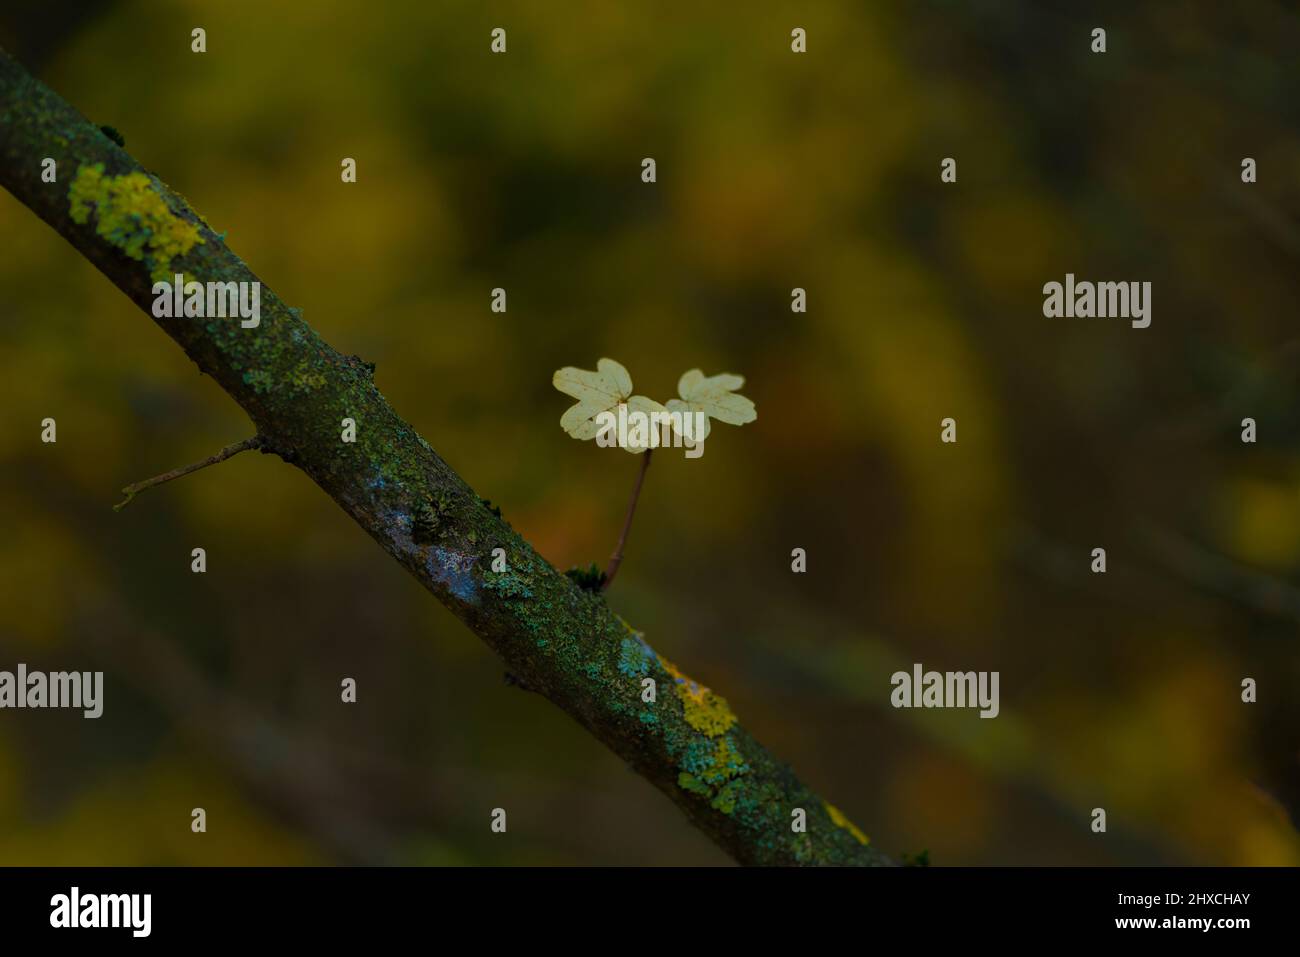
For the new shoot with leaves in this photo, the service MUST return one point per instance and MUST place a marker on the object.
(608, 412)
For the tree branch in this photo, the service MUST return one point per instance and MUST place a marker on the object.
(559, 640)
(131, 491)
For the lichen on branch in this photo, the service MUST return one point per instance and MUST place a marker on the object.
(130, 215)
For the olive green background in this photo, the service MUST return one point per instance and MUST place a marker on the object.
(775, 170)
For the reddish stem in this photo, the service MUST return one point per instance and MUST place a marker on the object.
(616, 559)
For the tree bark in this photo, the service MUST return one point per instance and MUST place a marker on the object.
(560, 640)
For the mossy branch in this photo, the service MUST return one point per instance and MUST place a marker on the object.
(557, 639)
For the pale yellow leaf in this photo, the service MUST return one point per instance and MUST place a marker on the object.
(715, 397)
(598, 393)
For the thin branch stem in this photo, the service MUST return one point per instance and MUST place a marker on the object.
(131, 491)
(616, 559)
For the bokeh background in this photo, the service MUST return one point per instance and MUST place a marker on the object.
(821, 171)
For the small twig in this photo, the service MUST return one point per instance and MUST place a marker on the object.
(616, 559)
(131, 491)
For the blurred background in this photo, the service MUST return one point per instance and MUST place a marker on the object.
(775, 170)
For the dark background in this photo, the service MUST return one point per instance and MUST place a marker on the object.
(775, 170)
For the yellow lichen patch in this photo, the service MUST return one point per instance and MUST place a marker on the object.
(839, 820)
(705, 711)
(130, 214)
